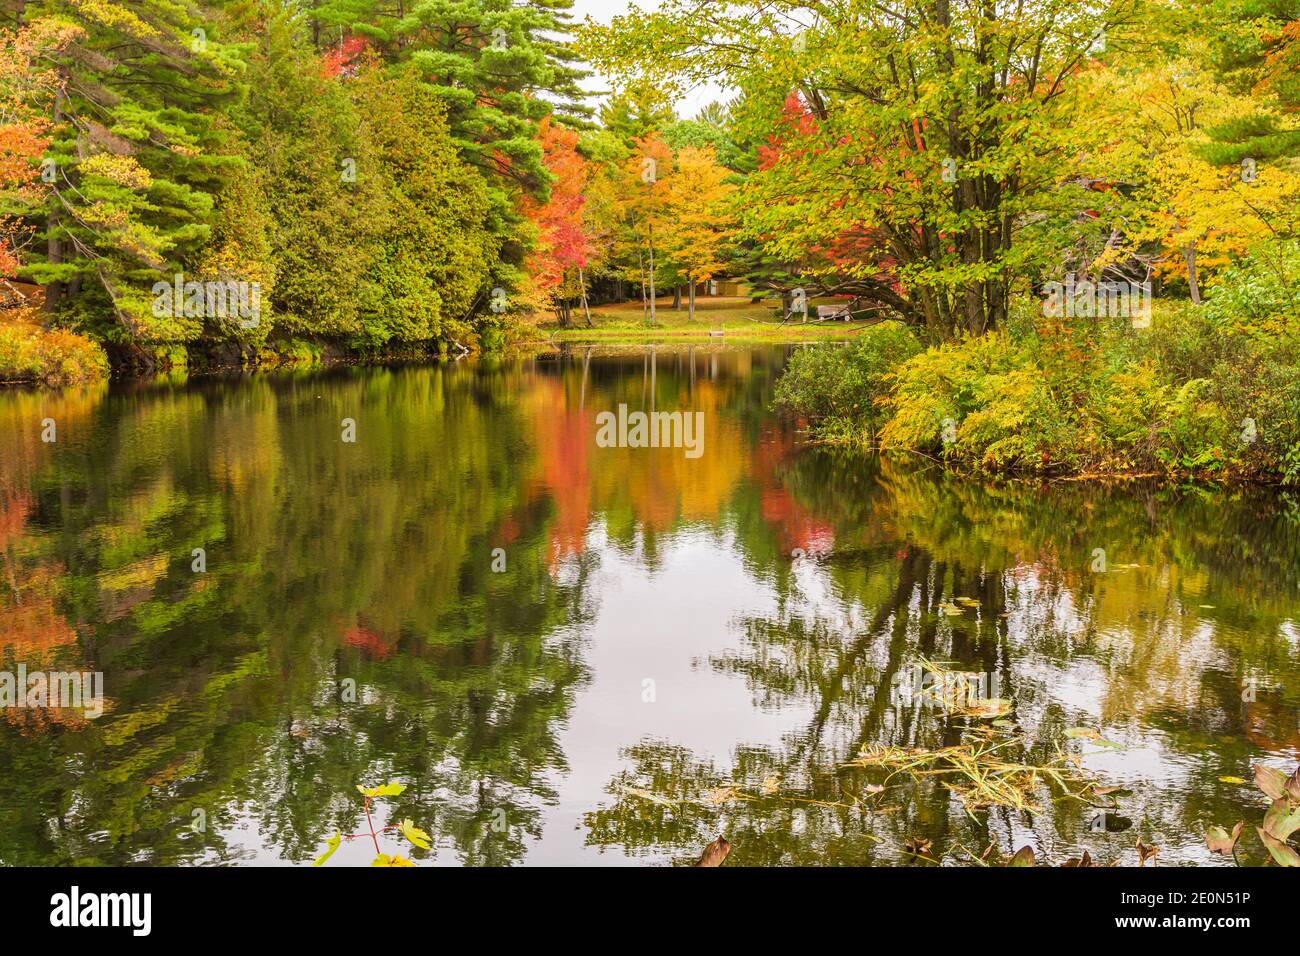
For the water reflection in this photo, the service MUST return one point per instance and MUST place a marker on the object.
(668, 638)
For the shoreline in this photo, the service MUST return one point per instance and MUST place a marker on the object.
(953, 469)
(327, 355)
(282, 362)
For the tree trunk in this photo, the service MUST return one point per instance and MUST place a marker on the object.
(640, 264)
(586, 364)
(677, 297)
(54, 245)
(1193, 284)
(651, 236)
(582, 284)
(690, 295)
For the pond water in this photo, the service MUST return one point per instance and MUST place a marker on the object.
(574, 653)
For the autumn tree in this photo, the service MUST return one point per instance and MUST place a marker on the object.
(557, 263)
(1191, 173)
(695, 224)
(937, 123)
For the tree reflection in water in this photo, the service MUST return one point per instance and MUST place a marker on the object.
(349, 627)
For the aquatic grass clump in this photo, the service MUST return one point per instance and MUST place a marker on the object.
(979, 772)
(957, 692)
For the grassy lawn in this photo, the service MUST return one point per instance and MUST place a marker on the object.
(735, 317)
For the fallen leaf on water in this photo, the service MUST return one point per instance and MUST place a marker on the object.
(771, 784)
(920, 846)
(648, 795)
(1146, 853)
(1024, 857)
(714, 853)
(720, 796)
(1086, 733)
(989, 707)
(1272, 782)
(1237, 780)
(1220, 840)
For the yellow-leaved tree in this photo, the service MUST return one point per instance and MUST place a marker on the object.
(697, 225)
(1153, 130)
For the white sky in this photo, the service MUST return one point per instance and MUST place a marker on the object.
(603, 11)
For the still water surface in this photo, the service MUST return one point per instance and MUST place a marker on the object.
(676, 647)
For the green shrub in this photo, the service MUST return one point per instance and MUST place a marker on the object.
(840, 387)
(991, 394)
(1194, 393)
(1260, 292)
(1128, 406)
(1195, 434)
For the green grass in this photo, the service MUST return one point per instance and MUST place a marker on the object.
(736, 317)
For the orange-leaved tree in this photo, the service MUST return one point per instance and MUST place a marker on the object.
(557, 264)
